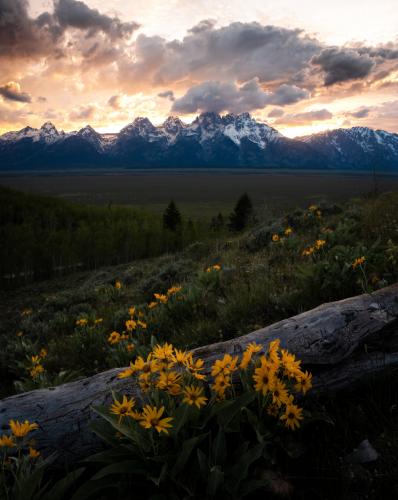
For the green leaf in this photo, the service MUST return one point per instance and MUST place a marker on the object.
(94, 488)
(129, 467)
(238, 472)
(219, 447)
(61, 487)
(215, 480)
(186, 450)
(229, 411)
(203, 463)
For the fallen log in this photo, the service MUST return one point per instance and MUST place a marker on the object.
(342, 342)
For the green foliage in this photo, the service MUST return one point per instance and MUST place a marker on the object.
(45, 237)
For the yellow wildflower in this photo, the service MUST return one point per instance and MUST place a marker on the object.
(276, 238)
(288, 231)
(151, 419)
(26, 312)
(308, 251)
(193, 395)
(147, 366)
(21, 429)
(292, 416)
(123, 408)
(161, 298)
(290, 364)
(114, 338)
(180, 358)
(81, 322)
(194, 367)
(152, 305)
(33, 453)
(163, 352)
(304, 382)
(264, 378)
(279, 393)
(224, 366)
(173, 290)
(358, 262)
(98, 321)
(319, 244)
(35, 359)
(130, 347)
(131, 325)
(248, 353)
(128, 372)
(36, 370)
(142, 324)
(221, 384)
(169, 382)
(131, 311)
(145, 382)
(6, 441)
(118, 285)
(43, 353)
(312, 208)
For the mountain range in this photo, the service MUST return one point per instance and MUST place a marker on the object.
(211, 140)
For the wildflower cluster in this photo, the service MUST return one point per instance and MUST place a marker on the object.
(84, 322)
(216, 268)
(314, 211)
(35, 367)
(168, 375)
(163, 298)
(318, 245)
(277, 238)
(169, 378)
(17, 442)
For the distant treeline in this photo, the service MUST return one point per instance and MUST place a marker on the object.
(42, 237)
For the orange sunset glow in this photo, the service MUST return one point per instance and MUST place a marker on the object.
(317, 67)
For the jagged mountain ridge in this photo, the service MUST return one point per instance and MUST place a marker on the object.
(210, 140)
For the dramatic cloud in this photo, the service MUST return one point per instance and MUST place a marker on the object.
(341, 65)
(167, 94)
(237, 52)
(114, 102)
(12, 92)
(218, 96)
(76, 14)
(305, 118)
(23, 36)
(360, 113)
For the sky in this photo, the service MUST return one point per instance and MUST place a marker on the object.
(300, 66)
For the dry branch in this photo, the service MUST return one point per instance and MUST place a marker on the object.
(343, 343)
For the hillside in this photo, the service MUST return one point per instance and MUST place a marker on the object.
(229, 287)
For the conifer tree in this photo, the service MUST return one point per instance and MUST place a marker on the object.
(242, 214)
(172, 217)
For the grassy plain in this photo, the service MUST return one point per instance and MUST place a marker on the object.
(201, 193)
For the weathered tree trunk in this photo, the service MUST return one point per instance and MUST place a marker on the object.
(342, 342)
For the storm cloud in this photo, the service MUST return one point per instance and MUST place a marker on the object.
(342, 65)
(11, 91)
(225, 96)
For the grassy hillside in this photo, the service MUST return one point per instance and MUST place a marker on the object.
(229, 286)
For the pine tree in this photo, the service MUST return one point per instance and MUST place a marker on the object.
(242, 214)
(172, 217)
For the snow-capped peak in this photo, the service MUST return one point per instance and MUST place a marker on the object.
(244, 126)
